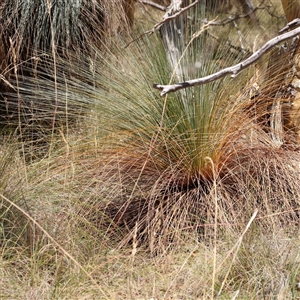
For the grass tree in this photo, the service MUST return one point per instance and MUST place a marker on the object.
(31, 28)
(33, 31)
(199, 139)
(34, 36)
(161, 165)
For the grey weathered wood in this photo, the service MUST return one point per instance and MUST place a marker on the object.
(233, 70)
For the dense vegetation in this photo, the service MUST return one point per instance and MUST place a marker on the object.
(110, 191)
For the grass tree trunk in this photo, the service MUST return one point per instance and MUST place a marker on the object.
(292, 11)
(278, 77)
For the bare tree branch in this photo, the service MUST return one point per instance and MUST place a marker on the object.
(233, 70)
(170, 16)
(151, 3)
(232, 18)
(173, 8)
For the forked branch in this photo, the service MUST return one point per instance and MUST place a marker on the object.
(233, 70)
(173, 11)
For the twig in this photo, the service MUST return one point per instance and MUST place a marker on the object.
(232, 18)
(151, 3)
(229, 44)
(290, 25)
(241, 37)
(167, 17)
(233, 70)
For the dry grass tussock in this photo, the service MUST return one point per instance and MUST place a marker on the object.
(155, 209)
(199, 242)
